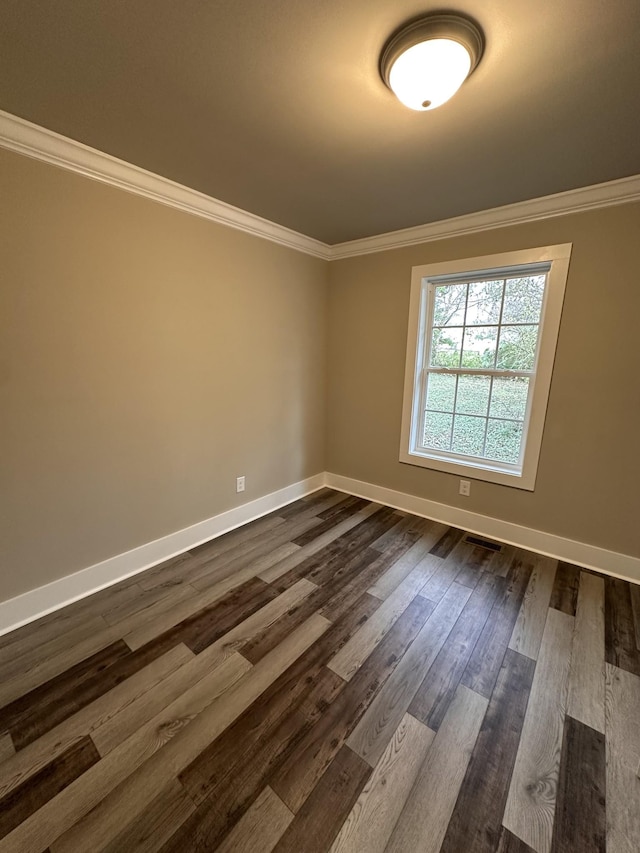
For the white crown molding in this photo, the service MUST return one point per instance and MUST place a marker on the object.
(31, 140)
(621, 191)
(46, 599)
(24, 137)
(580, 553)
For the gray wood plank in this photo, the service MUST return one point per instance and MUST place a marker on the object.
(370, 737)
(371, 820)
(586, 676)
(527, 632)
(530, 807)
(260, 828)
(440, 777)
(623, 758)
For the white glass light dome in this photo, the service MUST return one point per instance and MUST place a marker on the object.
(429, 73)
(426, 62)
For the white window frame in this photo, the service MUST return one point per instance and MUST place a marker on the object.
(523, 475)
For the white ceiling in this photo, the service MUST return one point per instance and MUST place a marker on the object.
(277, 107)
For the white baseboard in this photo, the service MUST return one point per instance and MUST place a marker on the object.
(45, 599)
(589, 556)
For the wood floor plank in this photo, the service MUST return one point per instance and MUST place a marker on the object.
(375, 813)
(351, 656)
(89, 814)
(585, 701)
(227, 792)
(7, 749)
(376, 727)
(298, 775)
(476, 822)
(50, 745)
(319, 820)
(192, 688)
(620, 634)
(330, 518)
(239, 737)
(20, 664)
(322, 566)
(485, 662)
(447, 542)
(437, 689)
(527, 632)
(250, 554)
(155, 825)
(440, 777)
(35, 711)
(580, 820)
(418, 553)
(191, 604)
(264, 641)
(280, 569)
(408, 527)
(623, 759)
(510, 843)
(344, 598)
(260, 829)
(45, 670)
(530, 806)
(27, 798)
(634, 590)
(565, 588)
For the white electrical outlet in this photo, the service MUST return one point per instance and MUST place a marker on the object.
(465, 487)
(240, 484)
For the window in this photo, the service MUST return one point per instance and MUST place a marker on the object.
(482, 339)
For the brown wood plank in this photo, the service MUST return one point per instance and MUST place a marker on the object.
(472, 561)
(620, 633)
(634, 591)
(299, 773)
(322, 565)
(447, 542)
(375, 729)
(224, 791)
(476, 822)
(42, 708)
(510, 843)
(204, 628)
(263, 642)
(27, 798)
(580, 820)
(260, 828)
(433, 697)
(155, 825)
(295, 688)
(484, 665)
(319, 820)
(86, 814)
(564, 595)
(326, 687)
(340, 602)
(7, 749)
(331, 518)
(347, 506)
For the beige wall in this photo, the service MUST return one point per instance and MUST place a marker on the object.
(589, 468)
(147, 358)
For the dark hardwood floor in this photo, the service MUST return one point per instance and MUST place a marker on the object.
(338, 676)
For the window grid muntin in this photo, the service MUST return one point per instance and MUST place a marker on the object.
(466, 281)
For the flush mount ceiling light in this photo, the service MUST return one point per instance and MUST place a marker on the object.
(427, 61)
